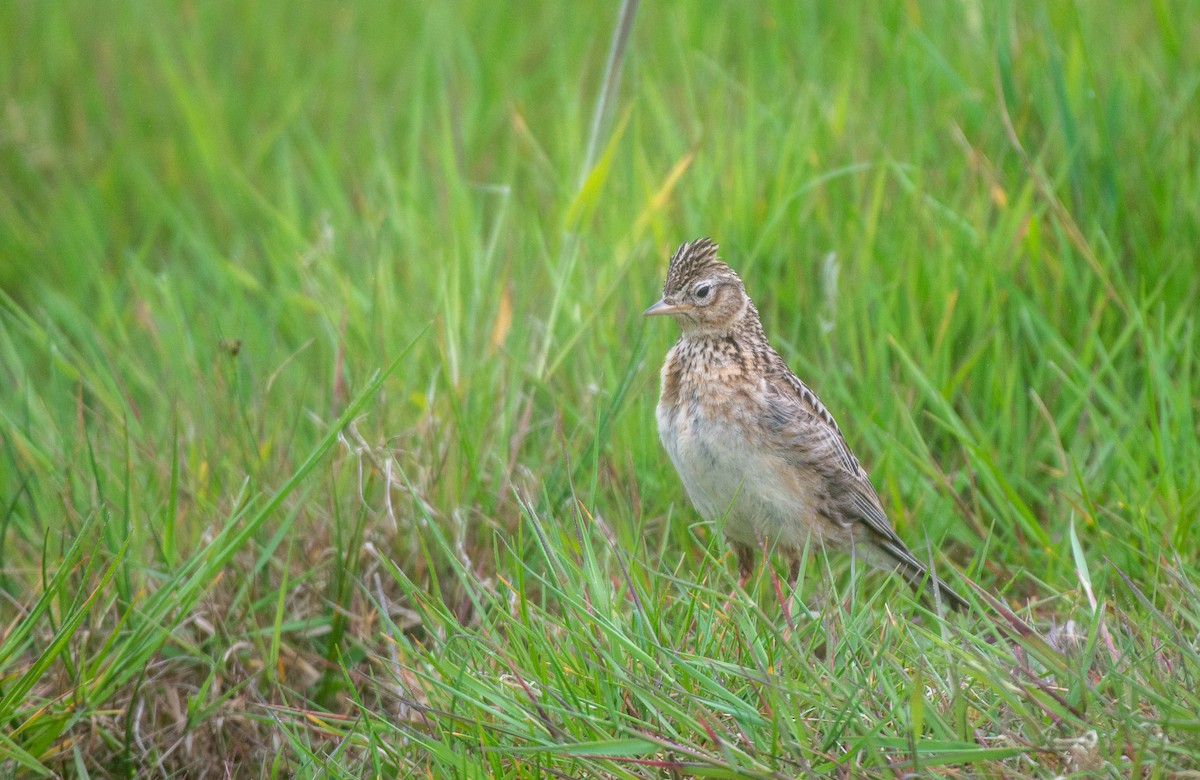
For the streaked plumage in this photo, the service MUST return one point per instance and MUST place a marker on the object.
(752, 444)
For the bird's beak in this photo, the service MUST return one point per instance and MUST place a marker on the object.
(662, 307)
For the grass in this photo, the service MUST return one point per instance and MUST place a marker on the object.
(326, 410)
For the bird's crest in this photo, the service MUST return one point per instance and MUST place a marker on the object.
(693, 260)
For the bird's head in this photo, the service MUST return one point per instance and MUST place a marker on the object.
(702, 294)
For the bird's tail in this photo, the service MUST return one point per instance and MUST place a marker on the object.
(933, 589)
(892, 555)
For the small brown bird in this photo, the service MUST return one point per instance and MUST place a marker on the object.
(752, 444)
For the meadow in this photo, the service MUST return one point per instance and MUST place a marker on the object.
(327, 440)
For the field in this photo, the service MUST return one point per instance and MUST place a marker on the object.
(327, 440)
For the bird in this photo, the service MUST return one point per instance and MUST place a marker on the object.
(753, 444)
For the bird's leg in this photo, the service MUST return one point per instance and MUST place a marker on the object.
(745, 559)
(794, 586)
(793, 572)
(785, 602)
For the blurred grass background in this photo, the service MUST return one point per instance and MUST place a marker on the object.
(232, 542)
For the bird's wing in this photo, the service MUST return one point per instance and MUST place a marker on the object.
(804, 434)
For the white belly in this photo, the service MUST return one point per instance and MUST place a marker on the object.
(757, 496)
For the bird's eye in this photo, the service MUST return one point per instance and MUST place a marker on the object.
(702, 291)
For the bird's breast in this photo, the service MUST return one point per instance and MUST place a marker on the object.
(711, 423)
